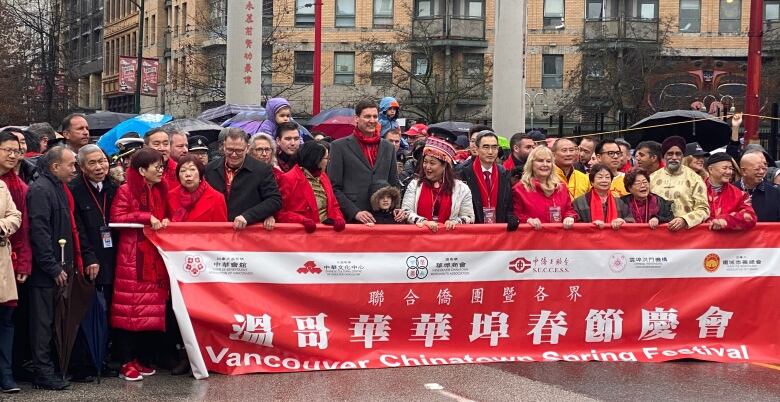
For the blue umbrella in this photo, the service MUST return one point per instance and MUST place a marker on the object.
(94, 327)
(139, 124)
(326, 115)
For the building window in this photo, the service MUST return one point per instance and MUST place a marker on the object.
(96, 41)
(594, 10)
(153, 36)
(419, 64)
(266, 69)
(176, 21)
(771, 10)
(304, 68)
(730, 14)
(434, 8)
(648, 9)
(690, 15)
(345, 68)
(553, 14)
(382, 69)
(552, 71)
(469, 8)
(146, 32)
(304, 13)
(473, 65)
(345, 13)
(383, 13)
(184, 18)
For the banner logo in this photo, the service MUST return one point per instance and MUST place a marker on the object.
(194, 265)
(310, 267)
(617, 263)
(711, 262)
(416, 267)
(519, 265)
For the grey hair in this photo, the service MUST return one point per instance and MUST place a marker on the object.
(173, 132)
(268, 138)
(86, 150)
(232, 132)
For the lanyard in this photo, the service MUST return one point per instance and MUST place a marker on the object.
(100, 208)
(647, 208)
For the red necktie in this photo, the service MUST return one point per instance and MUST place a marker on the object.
(488, 184)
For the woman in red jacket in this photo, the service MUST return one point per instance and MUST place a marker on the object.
(195, 200)
(307, 195)
(141, 287)
(540, 197)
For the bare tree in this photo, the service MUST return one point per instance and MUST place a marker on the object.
(422, 76)
(612, 74)
(43, 20)
(203, 77)
(15, 71)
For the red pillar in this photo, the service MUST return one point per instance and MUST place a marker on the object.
(317, 56)
(752, 105)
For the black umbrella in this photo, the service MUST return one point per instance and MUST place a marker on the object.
(101, 122)
(201, 127)
(94, 327)
(709, 131)
(73, 299)
(457, 127)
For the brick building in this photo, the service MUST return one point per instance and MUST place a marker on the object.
(702, 44)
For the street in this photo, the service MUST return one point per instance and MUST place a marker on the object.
(685, 380)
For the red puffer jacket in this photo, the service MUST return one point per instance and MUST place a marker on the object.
(141, 285)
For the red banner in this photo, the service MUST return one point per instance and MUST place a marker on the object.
(127, 75)
(396, 296)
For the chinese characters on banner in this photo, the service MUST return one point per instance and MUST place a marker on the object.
(244, 51)
(254, 309)
(127, 75)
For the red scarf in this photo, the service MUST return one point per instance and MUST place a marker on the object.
(643, 211)
(369, 145)
(77, 262)
(597, 210)
(187, 200)
(489, 195)
(429, 198)
(17, 188)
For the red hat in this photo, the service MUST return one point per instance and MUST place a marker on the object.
(440, 150)
(417, 130)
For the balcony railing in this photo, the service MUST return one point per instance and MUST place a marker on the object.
(621, 29)
(448, 27)
(771, 36)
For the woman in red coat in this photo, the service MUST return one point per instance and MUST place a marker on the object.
(194, 200)
(540, 197)
(307, 195)
(141, 287)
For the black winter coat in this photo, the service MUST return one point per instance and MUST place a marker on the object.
(504, 209)
(765, 199)
(254, 193)
(49, 212)
(90, 219)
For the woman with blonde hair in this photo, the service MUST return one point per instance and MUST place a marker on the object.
(540, 197)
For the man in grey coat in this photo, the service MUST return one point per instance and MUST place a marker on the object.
(361, 163)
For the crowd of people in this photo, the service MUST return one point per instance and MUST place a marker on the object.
(58, 201)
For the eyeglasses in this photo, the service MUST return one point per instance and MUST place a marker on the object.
(235, 151)
(489, 147)
(263, 150)
(158, 168)
(613, 154)
(12, 151)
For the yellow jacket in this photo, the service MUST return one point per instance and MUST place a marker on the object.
(618, 188)
(578, 183)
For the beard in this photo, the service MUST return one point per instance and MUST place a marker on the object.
(673, 166)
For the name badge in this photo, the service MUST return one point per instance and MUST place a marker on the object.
(555, 214)
(105, 235)
(489, 214)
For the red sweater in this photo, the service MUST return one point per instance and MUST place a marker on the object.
(732, 205)
(535, 204)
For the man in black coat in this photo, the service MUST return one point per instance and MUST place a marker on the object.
(764, 196)
(360, 164)
(250, 190)
(50, 221)
(492, 184)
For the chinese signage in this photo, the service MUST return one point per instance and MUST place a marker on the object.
(127, 75)
(474, 295)
(244, 51)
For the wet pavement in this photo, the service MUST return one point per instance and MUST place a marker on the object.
(694, 381)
